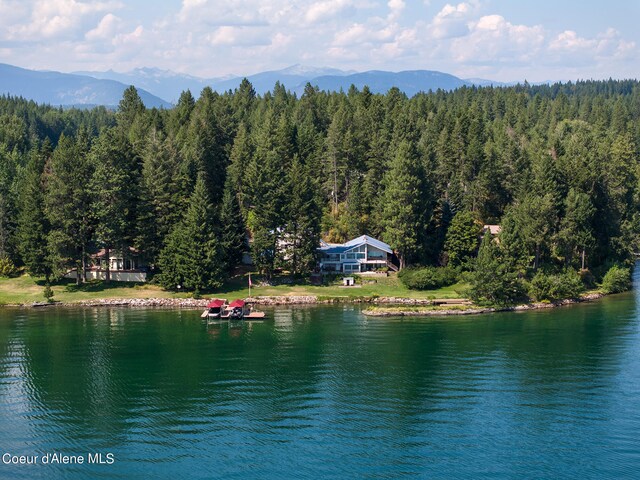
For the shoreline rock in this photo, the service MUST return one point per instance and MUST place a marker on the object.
(480, 310)
(314, 300)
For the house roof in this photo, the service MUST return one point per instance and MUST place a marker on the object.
(493, 229)
(366, 239)
(114, 253)
(361, 240)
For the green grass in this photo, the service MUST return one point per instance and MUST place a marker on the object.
(420, 308)
(384, 287)
(26, 290)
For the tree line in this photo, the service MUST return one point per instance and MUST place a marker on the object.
(556, 166)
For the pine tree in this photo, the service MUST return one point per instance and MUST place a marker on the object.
(129, 108)
(244, 99)
(33, 226)
(266, 178)
(494, 280)
(240, 158)
(180, 115)
(163, 195)
(233, 235)
(404, 208)
(529, 227)
(205, 146)
(302, 231)
(576, 228)
(8, 164)
(68, 200)
(462, 238)
(113, 186)
(192, 258)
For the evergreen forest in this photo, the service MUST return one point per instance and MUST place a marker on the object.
(556, 166)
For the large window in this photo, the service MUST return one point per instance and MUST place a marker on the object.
(375, 254)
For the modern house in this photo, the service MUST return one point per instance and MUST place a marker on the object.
(362, 254)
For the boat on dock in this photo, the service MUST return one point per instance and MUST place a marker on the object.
(219, 311)
(215, 309)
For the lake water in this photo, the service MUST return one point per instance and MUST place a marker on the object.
(323, 392)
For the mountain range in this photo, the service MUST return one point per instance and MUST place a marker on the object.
(67, 89)
(162, 88)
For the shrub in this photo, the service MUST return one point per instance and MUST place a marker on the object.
(588, 278)
(617, 279)
(555, 287)
(48, 293)
(428, 278)
(7, 268)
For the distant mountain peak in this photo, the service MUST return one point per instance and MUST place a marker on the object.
(55, 88)
(307, 70)
(156, 84)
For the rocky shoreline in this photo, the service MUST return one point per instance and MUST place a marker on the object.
(258, 300)
(189, 302)
(479, 310)
(193, 303)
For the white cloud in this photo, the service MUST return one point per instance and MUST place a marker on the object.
(569, 42)
(238, 36)
(492, 39)
(57, 18)
(106, 29)
(326, 10)
(452, 21)
(396, 8)
(607, 44)
(569, 49)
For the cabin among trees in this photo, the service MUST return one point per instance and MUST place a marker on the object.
(362, 254)
(127, 267)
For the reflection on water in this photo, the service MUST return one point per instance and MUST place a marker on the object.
(324, 392)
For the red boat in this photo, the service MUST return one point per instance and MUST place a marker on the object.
(215, 309)
(218, 309)
(241, 310)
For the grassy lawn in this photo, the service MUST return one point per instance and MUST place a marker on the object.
(383, 287)
(26, 290)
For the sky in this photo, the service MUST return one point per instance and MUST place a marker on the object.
(503, 40)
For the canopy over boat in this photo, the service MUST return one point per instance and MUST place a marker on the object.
(237, 303)
(217, 303)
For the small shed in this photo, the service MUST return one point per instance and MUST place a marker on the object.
(348, 281)
(492, 229)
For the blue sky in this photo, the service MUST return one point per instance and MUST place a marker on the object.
(497, 39)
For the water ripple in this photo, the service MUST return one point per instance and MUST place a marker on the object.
(325, 392)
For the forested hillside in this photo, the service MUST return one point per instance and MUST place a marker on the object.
(555, 166)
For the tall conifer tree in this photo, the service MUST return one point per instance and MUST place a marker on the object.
(192, 257)
(404, 207)
(33, 226)
(68, 204)
(114, 193)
